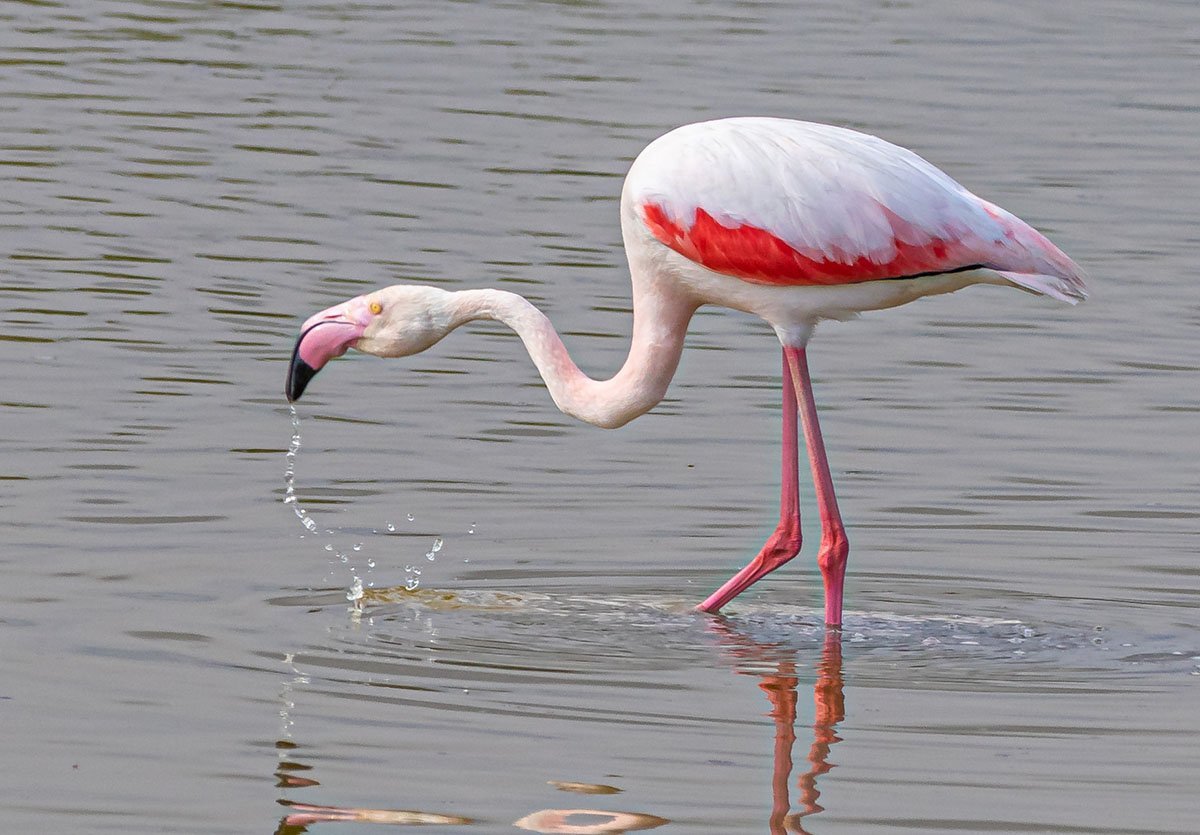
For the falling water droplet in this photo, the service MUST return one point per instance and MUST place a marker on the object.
(289, 475)
(431, 555)
(355, 593)
(391, 528)
(471, 529)
(411, 517)
(370, 563)
(358, 546)
(328, 547)
(411, 584)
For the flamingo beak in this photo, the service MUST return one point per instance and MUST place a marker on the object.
(324, 336)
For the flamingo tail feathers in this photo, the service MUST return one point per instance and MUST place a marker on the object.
(1034, 263)
(1069, 288)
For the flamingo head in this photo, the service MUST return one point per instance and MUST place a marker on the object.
(393, 322)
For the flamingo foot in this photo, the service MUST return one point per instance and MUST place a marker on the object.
(782, 547)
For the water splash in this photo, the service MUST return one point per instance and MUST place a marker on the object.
(345, 557)
(431, 554)
(355, 593)
(412, 578)
(337, 557)
(289, 475)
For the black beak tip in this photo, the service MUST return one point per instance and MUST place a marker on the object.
(298, 376)
(299, 373)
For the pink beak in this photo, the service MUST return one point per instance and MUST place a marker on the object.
(324, 336)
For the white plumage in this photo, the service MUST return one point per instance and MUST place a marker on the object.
(837, 196)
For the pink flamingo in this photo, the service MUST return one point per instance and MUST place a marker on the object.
(792, 221)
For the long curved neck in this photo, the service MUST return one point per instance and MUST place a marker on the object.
(659, 327)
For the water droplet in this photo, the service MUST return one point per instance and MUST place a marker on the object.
(391, 528)
(471, 529)
(289, 499)
(411, 517)
(358, 546)
(355, 592)
(370, 563)
(434, 548)
(411, 584)
(328, 547)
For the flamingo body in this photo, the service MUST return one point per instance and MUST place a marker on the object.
(788, 203)
(794, 222)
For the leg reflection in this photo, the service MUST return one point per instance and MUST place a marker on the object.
(781, 689)
(829, 708)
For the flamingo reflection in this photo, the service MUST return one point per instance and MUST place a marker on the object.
(781, 688)
(775, 665)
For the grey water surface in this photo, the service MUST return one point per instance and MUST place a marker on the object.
(184, 181)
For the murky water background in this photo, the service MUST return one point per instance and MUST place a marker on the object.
(184, 182)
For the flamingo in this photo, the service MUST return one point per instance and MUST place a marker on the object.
(794, 222)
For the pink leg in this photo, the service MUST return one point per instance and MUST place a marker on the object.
(831, 555)
(784, 544)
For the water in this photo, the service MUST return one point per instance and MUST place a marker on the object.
(185, 182)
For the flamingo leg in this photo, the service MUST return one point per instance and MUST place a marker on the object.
(834, 548)
(784, 543)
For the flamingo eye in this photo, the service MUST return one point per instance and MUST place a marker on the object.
(375, 307)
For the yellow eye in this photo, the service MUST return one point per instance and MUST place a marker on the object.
(376, 308)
